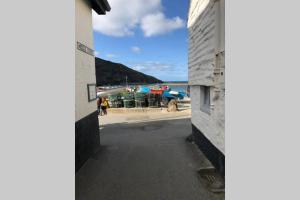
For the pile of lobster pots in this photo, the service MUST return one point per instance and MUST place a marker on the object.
(141, 100)
(144, 97)
(116, 101)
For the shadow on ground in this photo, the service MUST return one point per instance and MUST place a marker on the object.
(144, 161)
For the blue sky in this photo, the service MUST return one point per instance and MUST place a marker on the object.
(146, 35)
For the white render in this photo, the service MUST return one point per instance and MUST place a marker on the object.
(207, 66)
(84, 63)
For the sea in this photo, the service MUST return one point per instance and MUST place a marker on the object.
(179, 88)
(175, 86)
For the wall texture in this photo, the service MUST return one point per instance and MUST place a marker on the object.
(84, 63)
(207, 67)
(87, 138)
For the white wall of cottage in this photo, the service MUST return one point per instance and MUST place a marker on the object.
(84, 63)
(206, 63)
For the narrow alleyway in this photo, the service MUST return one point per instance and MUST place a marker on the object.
(144, 161)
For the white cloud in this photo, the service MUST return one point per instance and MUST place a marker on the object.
(127, 15)
(151, 66)
(109, 55)
(157, 24)
(136, 49)
(96, 53)
(162, 70)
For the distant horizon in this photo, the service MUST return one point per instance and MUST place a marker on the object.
(176, 81)
(144, 83)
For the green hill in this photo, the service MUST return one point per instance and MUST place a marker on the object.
(110, 73)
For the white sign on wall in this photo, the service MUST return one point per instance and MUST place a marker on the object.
(85, 49)
(92, 93)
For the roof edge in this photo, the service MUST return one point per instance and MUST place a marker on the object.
(100, 6)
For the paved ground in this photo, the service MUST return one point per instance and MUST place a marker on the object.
(144, 161)
(129, 116)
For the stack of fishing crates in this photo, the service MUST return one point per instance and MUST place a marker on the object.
(140, 99)
(129, 100)
(115, 101)
(154, 100)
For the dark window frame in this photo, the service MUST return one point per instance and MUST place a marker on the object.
(205, 99)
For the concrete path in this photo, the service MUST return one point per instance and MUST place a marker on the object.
(128, 116)
(144, 161)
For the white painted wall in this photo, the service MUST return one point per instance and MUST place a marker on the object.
(207, 67)
(84, 63)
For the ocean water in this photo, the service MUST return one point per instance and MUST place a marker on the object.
(174, 87)
(179, 88)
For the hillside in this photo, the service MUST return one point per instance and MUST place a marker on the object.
(110, 73)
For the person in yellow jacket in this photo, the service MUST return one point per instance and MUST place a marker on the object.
(104, 105)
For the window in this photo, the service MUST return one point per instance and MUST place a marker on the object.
(205, 99)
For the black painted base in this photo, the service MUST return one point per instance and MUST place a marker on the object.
(214, 155)
(87, 138)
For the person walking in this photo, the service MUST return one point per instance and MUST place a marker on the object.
(104, 105)
(99, 101)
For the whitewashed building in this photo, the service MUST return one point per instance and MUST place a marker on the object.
(87, 138)
(206, 66)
